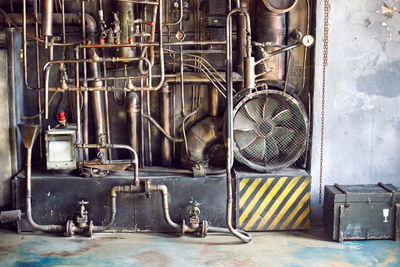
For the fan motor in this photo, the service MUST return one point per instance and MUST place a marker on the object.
(270, 129)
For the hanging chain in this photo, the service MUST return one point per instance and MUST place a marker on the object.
(325, 64)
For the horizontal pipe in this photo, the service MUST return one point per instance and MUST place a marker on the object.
(142, 44)
(71, 19)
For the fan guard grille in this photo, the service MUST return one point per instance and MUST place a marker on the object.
(270, 130)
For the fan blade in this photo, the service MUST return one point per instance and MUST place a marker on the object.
(253, 108)
(272, 148)
(283, 135)
(270, 106)
(282, 117)
(257, 149)
(242, 122)
(244, 139)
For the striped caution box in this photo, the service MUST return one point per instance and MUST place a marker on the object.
(273, 203)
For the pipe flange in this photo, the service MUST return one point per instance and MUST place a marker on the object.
(90, 229)
(280, 6)
(184, 227)
(69, 228)
(147, 185)
(204, 228)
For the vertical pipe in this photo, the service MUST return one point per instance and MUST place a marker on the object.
(213, 101)
(78, 108)
(85, 93)
(97, 103)
(132, 108)
(35, 10)
(165, 107)
(241, 42)
(47, 18)
(12, 100)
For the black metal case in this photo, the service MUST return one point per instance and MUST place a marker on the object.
(356, 212)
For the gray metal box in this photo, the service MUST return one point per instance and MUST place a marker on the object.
(60, 151)
(356, 212)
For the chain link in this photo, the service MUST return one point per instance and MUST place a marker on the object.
(325, 64)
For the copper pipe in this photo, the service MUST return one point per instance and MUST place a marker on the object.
(39, 97)
(139, 44)
(165, 107)
(47, 19)
(132, 108)
(152, 37)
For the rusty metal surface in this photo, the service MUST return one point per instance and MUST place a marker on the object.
(52, 204)
(272, 249)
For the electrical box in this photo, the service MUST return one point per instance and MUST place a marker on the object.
(355, 212)
(60, 150)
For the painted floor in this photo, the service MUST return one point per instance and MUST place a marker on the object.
(267, 249)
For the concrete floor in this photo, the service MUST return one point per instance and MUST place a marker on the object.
(267, 249)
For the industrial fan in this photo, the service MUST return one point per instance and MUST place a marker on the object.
(270, 129)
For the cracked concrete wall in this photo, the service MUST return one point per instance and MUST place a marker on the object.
(362, 121)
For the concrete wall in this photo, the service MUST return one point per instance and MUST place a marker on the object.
(362, 122)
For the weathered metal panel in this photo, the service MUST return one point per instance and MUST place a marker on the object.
(276, 201)
(55, 196)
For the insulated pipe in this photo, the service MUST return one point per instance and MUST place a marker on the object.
(165, 105)
(132, 108)
(245, 237)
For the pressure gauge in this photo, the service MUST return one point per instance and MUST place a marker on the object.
(308, 40)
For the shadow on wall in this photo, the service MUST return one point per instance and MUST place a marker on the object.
(384, 82)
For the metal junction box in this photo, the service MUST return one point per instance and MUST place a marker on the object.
(60, 151)
(356, 212)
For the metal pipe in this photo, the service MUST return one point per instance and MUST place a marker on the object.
(35, 226)
(39, 97)
(85, 94)
(180, 16)
(165, 107)
(164, 194)
(142, 44)
(161, 129)
(117, 146)
(94, 59)
(245, 237)
(78, 107)
(132, 109)
(47, 19)
(71, 19)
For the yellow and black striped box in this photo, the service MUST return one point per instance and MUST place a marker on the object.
(270, 202)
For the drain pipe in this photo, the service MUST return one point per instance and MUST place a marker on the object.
(245, 237)
(29, 134)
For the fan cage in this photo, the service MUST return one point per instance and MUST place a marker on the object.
(270, 130)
